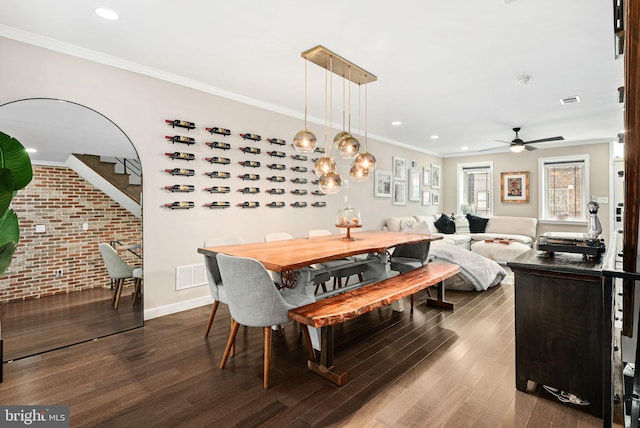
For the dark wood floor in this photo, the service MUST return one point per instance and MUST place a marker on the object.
(33, 326)
(429, 368)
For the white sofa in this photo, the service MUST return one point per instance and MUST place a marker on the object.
(519, 229)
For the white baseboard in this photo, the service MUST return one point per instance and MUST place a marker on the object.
(177, 307)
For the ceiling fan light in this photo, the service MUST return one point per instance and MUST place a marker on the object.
(324, 165)
(330, 183)
(516, 148)
(304, 141)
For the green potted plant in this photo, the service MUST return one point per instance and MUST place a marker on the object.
(15, 173)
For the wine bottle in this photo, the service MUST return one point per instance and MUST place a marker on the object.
(250, 164)
(275, 191)
(218, 145)
(275, 204)
(181, 124)
(181, 155)
(299, 204)
(299, 180)
(218, 189)
(218, 174)
(217, 204)
(299, 168)
(277, 166)
(317, 193)
(299, 192)
(219, 160)
(319, 204)
(180, 188)
(180, 139)
(220, 131)
(250, 177)
(276, 154)
(249, 190)
(315, 182)
(249, 204)
(180, 205)
(252, 137)
(319, 150)
(252, 150)
(181, 171)
(299, 157)
(276, 179)
(276, 141)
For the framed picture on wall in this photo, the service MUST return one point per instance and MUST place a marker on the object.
(399, 169)
(514, 186)
(426, 176)
(399, 193)
(426, 197)
(435, 198)
(382, 184)
(414, 184)
(435, 176)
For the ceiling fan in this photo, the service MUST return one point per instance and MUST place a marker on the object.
(517, 145)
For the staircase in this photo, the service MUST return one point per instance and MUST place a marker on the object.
(116, 177)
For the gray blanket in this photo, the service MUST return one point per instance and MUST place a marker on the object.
(476, 272)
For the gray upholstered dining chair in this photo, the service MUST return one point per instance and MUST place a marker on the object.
(213, 276)
(407, 257)
(254, 301)
(339, 269)
(118, 271)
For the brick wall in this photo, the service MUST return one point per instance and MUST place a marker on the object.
(62, 201)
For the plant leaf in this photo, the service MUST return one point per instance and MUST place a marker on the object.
(6, 190)
(6, 253)
(14, 156)
(9, 230)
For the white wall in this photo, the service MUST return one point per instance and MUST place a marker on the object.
(139, 105)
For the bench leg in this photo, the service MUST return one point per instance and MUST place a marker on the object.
(440, 302)
(325, 367)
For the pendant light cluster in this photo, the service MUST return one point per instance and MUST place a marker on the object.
(347, 145)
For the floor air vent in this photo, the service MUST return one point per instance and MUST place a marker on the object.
(190, 276)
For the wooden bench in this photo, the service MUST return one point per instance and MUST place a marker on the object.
(326, 313)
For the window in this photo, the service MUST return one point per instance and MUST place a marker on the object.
(564, 188)
(475, 181)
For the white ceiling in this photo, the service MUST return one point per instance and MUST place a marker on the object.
(446, 68)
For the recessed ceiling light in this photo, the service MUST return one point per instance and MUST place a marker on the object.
(463, 148)
(396, 123)
(434, 137)
(570, 100)
(107, 14)
(31, 150)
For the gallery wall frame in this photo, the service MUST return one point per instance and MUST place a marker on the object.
(399, 169)
(414, 184)
(435, 175)
(514, 187)
(426, 197)
(382, 184)
(426, 176)
(435, 198)
(399, 193)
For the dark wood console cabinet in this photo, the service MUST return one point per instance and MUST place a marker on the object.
(563, 327)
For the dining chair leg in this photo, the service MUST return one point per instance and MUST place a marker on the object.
(211, 317)
(307, 341)
(230, 342)
(267, 355)
(118, 292)
(233, 348)
(115, 292)
(412, 302)
(136, 291)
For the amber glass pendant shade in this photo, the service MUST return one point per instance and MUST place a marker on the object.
(304, 141)
(330, 183)
(349, 147)
(358, 174)
(365, 161)
(324, 165)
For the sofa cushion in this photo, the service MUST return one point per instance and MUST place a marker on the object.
(393, 223)
(462, 224)
(445, 225)
(429, 220)
(512, 225)
(477, 224)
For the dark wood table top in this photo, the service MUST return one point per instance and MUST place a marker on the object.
(294, 254)
(558, 262)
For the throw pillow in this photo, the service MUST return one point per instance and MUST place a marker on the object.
(409, 223)
(477, 224)
(445, 225)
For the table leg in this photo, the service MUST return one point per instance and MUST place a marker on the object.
(440, 302)
(325, 367)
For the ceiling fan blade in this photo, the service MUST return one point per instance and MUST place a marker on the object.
(530, 148)
(544, 140)
(502, 141)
